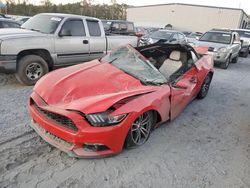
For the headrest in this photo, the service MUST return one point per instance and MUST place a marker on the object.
(175, 55)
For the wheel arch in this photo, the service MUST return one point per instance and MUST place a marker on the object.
(43, 53)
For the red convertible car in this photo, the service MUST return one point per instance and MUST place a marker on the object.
(100, 107)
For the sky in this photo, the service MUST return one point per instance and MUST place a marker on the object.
(244, 4)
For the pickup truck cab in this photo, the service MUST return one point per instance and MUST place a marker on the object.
(223, 44)
(245, 40)
(51, 40)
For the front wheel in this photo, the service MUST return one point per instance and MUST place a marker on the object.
(30, 69)
(140, 130)
(235, 60)
(205, 87)
(226, 63)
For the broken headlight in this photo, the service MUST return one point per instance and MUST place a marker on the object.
(104, 119)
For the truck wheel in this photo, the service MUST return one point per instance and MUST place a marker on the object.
(226, 64)
(246, 53)
(235, 60)
(30, 69)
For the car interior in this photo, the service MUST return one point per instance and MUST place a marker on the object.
(171, 60)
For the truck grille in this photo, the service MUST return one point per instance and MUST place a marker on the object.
(60, 119)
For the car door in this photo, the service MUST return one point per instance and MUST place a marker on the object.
(72, 44)
(97, 39)
(184, 89)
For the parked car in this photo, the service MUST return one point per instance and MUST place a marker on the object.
(165, 36)
(22, 19)
(128, 98)
(52, 40)
(245, 40)
(120, 27)
(223, 44)
(8, 23)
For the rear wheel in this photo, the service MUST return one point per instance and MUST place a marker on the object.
(30, 69)
(205, 87)
(140, 130)
(246, 53)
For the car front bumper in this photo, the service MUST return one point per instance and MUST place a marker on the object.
(219, 58)
(8, 63)
(73, 142)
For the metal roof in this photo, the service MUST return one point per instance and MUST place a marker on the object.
(205, 6)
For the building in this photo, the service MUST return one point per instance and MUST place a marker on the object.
(188, 17)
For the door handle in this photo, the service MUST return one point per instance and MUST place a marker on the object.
(193, 79)
(85, 41)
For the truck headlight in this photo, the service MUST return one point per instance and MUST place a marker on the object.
(103, 119)
(222, 50)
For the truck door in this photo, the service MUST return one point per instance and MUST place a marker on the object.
(97, 39)
(72, 44)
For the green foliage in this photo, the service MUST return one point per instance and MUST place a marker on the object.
(104, 11)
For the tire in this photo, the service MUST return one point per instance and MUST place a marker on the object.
(205, 87)
(226, 64)
(136, 135)
(235, 60)
(246, 54)
(30, 69)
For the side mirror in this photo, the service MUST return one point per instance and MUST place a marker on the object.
(64, 32)
(197, 38)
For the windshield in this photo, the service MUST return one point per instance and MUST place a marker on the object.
(218, 37)
(161, 35)
(245, 34)
(133, 63)
(43, 23)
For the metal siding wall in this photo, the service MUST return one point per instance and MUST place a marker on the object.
(184, 17)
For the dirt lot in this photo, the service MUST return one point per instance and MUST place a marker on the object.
(208, 145)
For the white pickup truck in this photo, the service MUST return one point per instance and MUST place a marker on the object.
(51, 40)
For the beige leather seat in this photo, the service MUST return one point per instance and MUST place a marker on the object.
(172, 64)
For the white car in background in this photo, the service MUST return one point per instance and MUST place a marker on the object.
(245, 40)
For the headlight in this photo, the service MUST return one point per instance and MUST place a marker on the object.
(222, 50)
(104, 119)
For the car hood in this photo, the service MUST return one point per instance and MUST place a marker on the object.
(17, 33)
(211, 44)
(90, 87)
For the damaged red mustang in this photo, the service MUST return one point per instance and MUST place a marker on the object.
(100, 107)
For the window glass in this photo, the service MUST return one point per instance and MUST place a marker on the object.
(10, 25)
(115, 27)
(130, 27)
(175, 37)
(94, 28)
(123, 26)
(75, 27)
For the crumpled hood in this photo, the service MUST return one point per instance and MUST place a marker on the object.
(88, 87)
(210, 44)
(17, 33)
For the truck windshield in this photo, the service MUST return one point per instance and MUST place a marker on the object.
(217, 37)
(133, 63)
(43, 23)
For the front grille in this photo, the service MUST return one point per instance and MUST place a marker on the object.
(60, 119)
(210, 49)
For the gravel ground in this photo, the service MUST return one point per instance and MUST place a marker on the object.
(208, 145)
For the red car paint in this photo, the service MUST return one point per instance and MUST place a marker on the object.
(95, 87)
